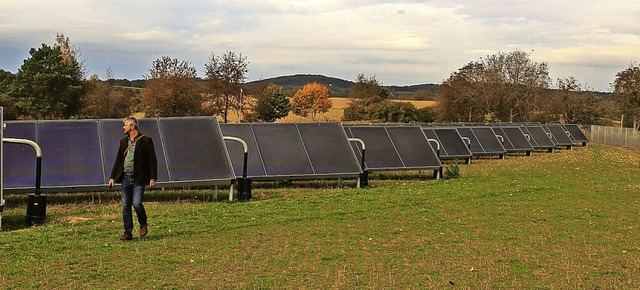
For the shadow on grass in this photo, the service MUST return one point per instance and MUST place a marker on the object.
(14, 222)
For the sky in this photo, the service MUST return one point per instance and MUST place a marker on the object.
(398, 42)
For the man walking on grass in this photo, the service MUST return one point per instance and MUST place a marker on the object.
(135, 167)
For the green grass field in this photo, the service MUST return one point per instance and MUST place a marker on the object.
(563, 220)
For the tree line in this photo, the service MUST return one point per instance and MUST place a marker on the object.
(504, 87)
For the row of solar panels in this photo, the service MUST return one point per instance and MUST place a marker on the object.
(78, 154)
(465, 141)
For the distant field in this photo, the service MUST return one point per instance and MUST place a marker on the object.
(337, 111)
(563, 220)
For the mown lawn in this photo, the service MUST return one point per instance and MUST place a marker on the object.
(569, 219)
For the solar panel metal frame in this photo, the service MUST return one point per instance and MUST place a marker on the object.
(576, 134)
(374, 149)
(268, 158)
(451, 142)
(105, 156)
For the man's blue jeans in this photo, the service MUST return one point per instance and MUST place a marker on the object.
(132, 196)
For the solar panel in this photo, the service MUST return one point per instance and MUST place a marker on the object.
(328, 148)
(395, 147)
(451, 143)
(255, 167)
(110, 134)
(515, 138)
(483, 141)
(71, 153)
(19, 161)
(79, 154)
(293, 150)
(195, 151)
(576, 134)
(282, 149)
(559, 135)
(381, 154)
(413, 147)
(538, 137)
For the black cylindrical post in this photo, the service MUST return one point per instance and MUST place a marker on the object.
(36, 209)
(38, 174)
(244, 165)
(244, 183)
(244, 189)
(37, 202)
(364, 176)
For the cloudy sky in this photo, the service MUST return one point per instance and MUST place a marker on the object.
(400, 42)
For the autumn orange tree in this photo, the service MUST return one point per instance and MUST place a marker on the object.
(312, 99)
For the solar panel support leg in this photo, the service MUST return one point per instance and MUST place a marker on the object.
(244, 189)
(36, 209)
(363, 179)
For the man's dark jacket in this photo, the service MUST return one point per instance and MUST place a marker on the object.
(145, 164)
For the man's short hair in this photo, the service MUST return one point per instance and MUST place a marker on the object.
(133, 120)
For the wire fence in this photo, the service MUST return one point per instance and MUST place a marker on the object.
(626, 137)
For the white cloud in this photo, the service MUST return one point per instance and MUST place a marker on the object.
(401, 42)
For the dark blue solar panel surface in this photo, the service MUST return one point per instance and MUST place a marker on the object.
(395, 147)
(110, 134)
(452, 141)
(560, 136)
(431, 134)
(380, 152)
(488, 139)
(244, 131)
(475, 146)
(508, 146)
(195, 150)
(483, 140)
(19, 160)
(576, 133)
(328, 148)
(540, 138)
(282, 149)
(290, 150)
(515, 138)
(73, 153)
(413, 147)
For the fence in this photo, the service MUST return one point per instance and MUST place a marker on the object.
(626, 137)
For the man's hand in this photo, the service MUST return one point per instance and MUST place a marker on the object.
(111, 182)
(152, 183)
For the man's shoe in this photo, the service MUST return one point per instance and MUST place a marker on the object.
(143, 230)
(125, 237)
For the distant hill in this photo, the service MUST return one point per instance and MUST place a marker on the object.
(338, 87)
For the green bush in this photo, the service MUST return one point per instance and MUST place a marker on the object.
(452, 171)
